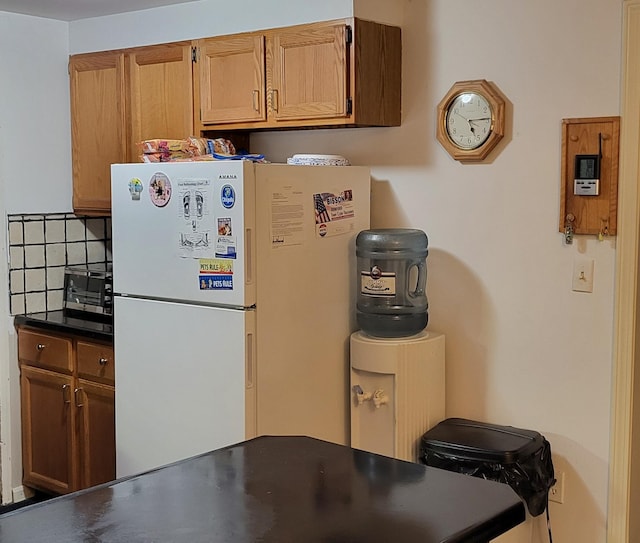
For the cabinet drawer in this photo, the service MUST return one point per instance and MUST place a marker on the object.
(45, 351)
(95, 362)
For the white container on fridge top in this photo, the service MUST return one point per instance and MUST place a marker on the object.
(234, 302)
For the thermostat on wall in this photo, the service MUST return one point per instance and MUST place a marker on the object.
(587, 175)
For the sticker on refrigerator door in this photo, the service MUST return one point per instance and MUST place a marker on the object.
(196, 223)
(135, 188)
(335, 213)
(216, 274)
(226, 247)
(160, 189)
(225, 243)
(228, 196)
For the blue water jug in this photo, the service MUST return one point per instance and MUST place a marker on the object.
(392, 277)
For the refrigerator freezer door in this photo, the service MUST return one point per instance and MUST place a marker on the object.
(183, 231)
(184, 381)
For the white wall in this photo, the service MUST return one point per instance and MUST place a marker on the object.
(198, 20)
(35, 177)
(522, 348)
(35, 132)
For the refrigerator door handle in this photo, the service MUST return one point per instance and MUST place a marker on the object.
(249, 359)
(248, 235)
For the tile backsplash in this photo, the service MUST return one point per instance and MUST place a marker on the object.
(40, 246)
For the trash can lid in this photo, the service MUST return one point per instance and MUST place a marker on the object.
(473, 440)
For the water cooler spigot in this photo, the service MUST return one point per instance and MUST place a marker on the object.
(380, 398)
(361, 395)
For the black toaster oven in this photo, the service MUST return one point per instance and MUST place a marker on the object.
(88, 289)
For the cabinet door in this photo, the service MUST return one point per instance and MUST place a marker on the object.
(160, 94)
(232, 79)
(309, 72)
(98, 136)
(96, 432)
(48, 441)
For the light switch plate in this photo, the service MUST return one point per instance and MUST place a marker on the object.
(582, 279)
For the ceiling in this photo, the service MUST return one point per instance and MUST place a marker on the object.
(72, 10)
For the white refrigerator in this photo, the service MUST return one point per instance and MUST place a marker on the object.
(234, 300)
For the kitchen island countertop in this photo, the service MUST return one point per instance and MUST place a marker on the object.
(277, 489)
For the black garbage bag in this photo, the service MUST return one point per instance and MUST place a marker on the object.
(517, 457)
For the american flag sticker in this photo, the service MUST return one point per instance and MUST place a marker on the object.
(322, 215)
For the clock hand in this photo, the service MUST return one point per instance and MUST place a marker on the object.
(468, 122)
(479, 119)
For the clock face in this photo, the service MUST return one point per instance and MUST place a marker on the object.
(468, 120)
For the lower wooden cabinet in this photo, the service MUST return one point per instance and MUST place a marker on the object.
(68, 412)
(96, 436)
(48, 440)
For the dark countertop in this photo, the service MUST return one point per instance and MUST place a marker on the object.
(277, 490)
(58, 321)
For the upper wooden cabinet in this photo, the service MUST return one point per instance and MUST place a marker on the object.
(97, 126)
(308, 72)
(337, 73)
(119, 98)
(231, 79)
(160, 94)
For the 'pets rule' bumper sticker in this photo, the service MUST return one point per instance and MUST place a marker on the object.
(216, 274)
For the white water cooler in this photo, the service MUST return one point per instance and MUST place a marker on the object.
(397, 392)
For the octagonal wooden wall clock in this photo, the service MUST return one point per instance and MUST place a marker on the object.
(471, 120)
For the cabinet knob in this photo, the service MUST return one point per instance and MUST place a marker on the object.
(103, 361)
(40, 346)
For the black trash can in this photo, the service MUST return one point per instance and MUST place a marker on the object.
(520, 458)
